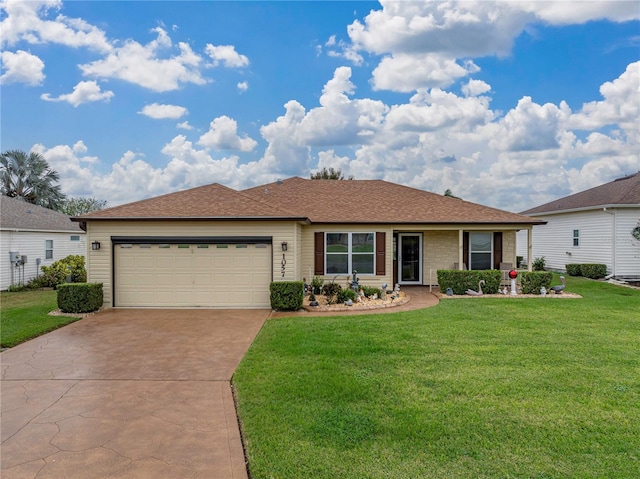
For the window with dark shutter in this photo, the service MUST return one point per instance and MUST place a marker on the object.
(380, 253)
(318, 268)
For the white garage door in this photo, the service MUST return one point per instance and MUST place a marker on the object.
(187, 275)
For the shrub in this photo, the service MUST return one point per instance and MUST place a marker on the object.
(369, 291)
(80, 297)
(331, 290)
(539, 264)
(460, 281)
(345, 294)
(573, 269)
(316, 285)
(593, 270)
(57, 273)
(286, 295)
(532, 281)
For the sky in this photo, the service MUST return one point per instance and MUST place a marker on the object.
(510, 104)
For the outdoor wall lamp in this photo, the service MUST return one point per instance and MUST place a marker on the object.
(95, 246)
(284, 246)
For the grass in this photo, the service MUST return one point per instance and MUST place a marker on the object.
(482, 388)
(23, 316)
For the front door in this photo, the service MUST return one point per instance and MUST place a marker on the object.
(410, 258)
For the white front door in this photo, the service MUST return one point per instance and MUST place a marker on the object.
(410, 258)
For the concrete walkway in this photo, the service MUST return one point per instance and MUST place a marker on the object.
(127, 394)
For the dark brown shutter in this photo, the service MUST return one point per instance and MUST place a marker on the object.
(380, 253)
(497, 249)
(318, 253)
(465, 249)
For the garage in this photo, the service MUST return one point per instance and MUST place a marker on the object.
(192, 272)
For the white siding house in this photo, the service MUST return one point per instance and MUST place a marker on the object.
(35, 234)
(594, 226)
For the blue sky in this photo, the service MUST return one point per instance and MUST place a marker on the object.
(508, 104)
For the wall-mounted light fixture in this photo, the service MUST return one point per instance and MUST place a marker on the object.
(95, 246)
(284, 246)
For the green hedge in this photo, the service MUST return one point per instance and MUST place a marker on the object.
(286, 295)
(462, 280)
(588, 270)
(531, 282)
(79, 297)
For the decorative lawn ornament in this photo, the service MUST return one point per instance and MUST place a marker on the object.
(513, 274)
(558, 289)
(471, 292)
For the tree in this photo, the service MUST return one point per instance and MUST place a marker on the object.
(450, 194)
(28, 176)
(329, 174)
(81, 206)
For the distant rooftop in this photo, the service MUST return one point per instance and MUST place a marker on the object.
(19, 215)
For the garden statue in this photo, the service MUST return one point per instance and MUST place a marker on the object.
(471, 292)
(558, 289)
(354, 284)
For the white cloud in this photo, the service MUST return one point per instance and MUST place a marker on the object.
(184, 125)
(226, 55)
(21, 67)
(475, 87)
(243, 86)
(223, 135)
(158, 111)
(143, 65)
(405, 73)
(83, 92)
(26, 21)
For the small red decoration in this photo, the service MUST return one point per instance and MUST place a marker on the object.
(513, 274)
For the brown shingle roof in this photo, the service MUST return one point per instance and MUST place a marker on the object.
(213, 201)
(20, 215)
(623, 191)
(375, 201)
(319, 201)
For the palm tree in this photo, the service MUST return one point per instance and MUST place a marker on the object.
(28, 176)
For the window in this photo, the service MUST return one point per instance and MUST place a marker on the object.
(345, 252)
(576, 237)
(48, 249)
(74, 238)
(480, 250)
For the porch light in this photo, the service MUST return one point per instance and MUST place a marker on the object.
(284, 246)
(95, 246)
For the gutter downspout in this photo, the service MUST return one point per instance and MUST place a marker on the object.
(613, 240)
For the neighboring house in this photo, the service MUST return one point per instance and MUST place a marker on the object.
(35, 234)
(217, 247)
(594, 226)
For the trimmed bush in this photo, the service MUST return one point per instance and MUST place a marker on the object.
(79, 297)
(531, 282)
(57, 273)
(593, 270)
(286, 295)
(573, 269)
(460, 281)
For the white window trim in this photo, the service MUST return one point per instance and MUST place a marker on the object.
(471, 251)
(575, 237)
(350, 252)
(46, 249)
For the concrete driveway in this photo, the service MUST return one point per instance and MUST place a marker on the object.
(127, 394)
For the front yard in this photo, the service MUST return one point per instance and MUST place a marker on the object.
(24, 315)
(474, 388)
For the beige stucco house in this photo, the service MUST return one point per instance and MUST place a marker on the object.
(213, 246)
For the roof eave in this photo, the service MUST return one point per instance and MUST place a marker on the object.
(584, 208)
(189, 218)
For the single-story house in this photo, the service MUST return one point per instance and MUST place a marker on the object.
(213, 246)
(33, 236)
(594, 226)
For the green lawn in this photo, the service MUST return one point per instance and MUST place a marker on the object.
(24, 316)
(471, 388)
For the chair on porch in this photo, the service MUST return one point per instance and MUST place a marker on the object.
(455, 265)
